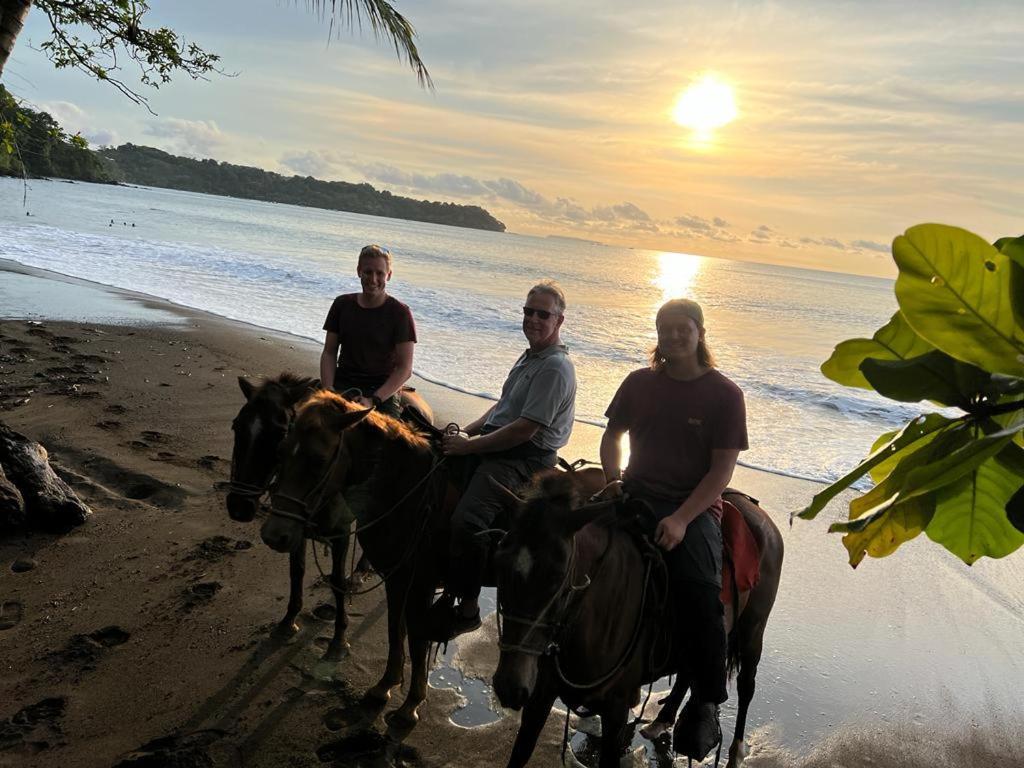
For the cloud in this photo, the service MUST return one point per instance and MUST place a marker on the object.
(74, 119)
(690, 225)
(318, 163)
(828, 242)
(187, 137)
(870, 245)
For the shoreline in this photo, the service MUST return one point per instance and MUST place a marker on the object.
(418, 380)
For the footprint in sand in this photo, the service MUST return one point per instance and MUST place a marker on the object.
(23, 565)
(139, 445)
(325, 612)
(116, 408)
(108, 425)
(154, 436)
(110, 636)
(11, 614)
(164, 456)
(209, 461)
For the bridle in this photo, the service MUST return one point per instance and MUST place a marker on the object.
(307, 513)
(550, 646)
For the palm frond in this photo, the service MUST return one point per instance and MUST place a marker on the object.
(384, 21)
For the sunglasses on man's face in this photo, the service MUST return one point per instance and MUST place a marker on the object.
(543, 314)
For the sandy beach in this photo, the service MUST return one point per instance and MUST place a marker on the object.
(142, 637)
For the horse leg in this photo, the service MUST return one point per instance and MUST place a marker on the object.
(750, 656)
(338, 647)
(531, 723)
(296, 573)
(416, 610)
(613, 725)
(381, 692)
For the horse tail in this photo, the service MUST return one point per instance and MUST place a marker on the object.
(732, 654)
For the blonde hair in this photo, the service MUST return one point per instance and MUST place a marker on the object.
(375, 252)
(692, 310)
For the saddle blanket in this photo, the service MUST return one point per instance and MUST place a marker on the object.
(740, 565)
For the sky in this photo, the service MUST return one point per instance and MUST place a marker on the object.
(856, 120)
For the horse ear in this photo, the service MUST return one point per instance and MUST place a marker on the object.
(302, 389)
(344, 419)
(247, 387)
(506, 497)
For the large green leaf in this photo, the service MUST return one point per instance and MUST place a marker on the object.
(918, 429)
(954, 291)
(884, 535)
(932, 376)
(1013, 248)
(895, 340)
(890, 490)
(970, 517)
(882, 469)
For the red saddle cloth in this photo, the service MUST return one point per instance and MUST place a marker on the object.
(741, 550)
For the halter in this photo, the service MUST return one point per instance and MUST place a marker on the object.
(566, 591)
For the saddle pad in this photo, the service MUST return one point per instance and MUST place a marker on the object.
(742, 556)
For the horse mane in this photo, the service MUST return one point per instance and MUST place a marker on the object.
(320, 405)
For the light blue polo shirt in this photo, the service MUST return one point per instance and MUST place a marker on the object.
(540, 387)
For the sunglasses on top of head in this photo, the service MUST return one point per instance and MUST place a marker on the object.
(543, 314)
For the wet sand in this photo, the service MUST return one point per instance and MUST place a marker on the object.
(153, 619)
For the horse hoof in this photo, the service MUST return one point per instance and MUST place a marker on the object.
(379, 695)
(337, 651)
(737, 754)
(286, 629)
(656, 731)
(403, 718)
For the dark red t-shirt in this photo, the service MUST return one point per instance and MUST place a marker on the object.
(368, 337)
(673, 427)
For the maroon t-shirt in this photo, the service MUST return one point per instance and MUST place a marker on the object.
(366, 354)
(673, 427)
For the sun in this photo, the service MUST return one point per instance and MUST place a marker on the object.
(704, 106)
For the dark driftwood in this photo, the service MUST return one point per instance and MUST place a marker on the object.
(12, 505)
(49, 503)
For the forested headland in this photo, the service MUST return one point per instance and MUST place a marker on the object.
(156, 168)
(33, 144)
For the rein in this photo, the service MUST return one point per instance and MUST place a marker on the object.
(566, 588)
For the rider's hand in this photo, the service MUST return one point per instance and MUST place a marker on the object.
(611, 491)
(364, 401)
(669, 533)
(455, 445)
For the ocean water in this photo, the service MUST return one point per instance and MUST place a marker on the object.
(279, 266)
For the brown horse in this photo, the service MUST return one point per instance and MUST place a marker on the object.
(583, 615)
(260, 428)
(404, 525)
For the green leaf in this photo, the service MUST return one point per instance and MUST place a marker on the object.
(932, 376)
(970, 517)
(954, 290)
(920, 428)
(889, 491)
(1015, 509)
(884, 535)
(1013, 248)
(895, 340)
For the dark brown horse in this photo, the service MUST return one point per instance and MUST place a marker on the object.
(584, 618)
(260, 428)
(403, 524)
(333, 447)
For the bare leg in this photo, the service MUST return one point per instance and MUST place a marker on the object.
(339, 646)
(393, 672)
(531, 723)
(661, 726)
(296, 573)
(749, 659)
(613, 723)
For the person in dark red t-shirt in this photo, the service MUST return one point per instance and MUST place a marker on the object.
(687, 425)
(368, 349)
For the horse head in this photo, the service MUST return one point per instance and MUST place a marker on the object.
(535, 565)
(260, 427)
(317, 461)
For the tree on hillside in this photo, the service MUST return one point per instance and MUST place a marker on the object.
(96, 36)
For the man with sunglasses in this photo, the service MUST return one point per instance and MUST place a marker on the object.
(516, 438)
